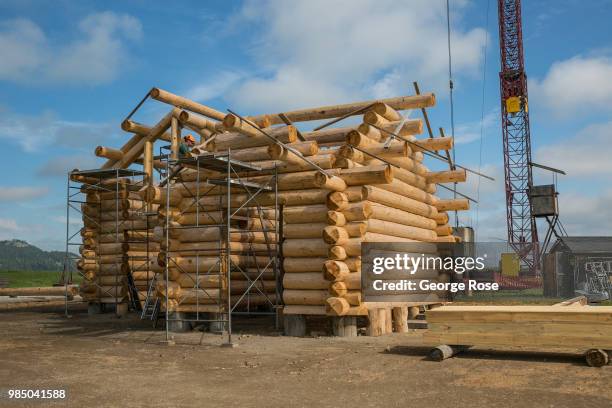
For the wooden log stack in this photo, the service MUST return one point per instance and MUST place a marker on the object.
(113, 222)
(196, 249)
(140, 249)
(370, 189)
(339, 187)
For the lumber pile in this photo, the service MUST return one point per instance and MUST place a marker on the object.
(580, 327)
(71, 290)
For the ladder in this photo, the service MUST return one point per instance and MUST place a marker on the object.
(151, 304)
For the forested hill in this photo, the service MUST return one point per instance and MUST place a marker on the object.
(18, 255)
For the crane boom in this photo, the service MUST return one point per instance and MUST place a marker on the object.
(522, 230)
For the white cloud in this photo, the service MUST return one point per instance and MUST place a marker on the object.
(579, 83)
(470, 132)
(35, 132)
(21, 42)
(61, 165)
(96, 56)
(214, 87)
(8, 224)
(322, 52)
(289, 88)
(21, 193)
(587, 154)
(586, 215)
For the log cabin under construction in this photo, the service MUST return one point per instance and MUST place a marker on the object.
(262, 217)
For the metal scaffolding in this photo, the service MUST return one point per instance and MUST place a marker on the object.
(219, 214)
(101, 181)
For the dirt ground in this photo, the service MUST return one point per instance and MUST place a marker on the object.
(111, 362)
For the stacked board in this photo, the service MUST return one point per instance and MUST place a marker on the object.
(580, 327)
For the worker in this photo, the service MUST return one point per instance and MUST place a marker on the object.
(186, 145)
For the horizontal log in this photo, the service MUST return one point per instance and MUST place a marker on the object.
(404, 189)
(305, 214)
(397, 201)
(335, 235)
(233, 140)
(292, 197)
(444, 230)
(307, 230)
(336, 218)
(307, 264)
(337, 306)
(138, 149)
(335, 270)
(41, 291)
(305, 297)
(278, 152)
(448, 176)
(305, 280)
(334, 111)
(324, 161)
(182, 102)
(432, 144)
(300, 247)
(386, 111)
(304, 310)
(328, 136)
(203, 264)
(398, 230)
(142, 130)
(327, 182)
(385, 213)
(407, 130)
(457, 204)
(199, 122)
(338, 200)
(108, 152)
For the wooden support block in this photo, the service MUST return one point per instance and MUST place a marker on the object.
(295, 325)
(413, 312)
(94, 308)
(375, 325)
(388, 320)
(216, 327)
(344, 326)
(400, 319)
(121, 309)
(177, 324)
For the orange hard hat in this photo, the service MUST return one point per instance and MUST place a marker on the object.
(189, 138)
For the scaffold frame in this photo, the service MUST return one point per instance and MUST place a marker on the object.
(79, 183)
(232, 175)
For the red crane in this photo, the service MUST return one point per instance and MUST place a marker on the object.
(522, 230)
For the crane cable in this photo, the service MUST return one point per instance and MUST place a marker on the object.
(452, 107)
(482, 109)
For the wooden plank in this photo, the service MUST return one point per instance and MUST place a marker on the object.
(525, 326)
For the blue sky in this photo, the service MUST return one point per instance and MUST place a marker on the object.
(71, 71)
